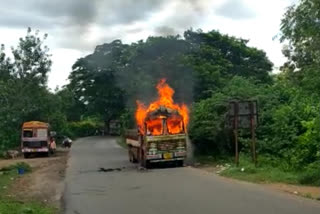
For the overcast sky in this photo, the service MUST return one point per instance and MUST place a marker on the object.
(75, 27)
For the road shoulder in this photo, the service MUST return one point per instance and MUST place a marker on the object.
(310, 192)
(44, 185)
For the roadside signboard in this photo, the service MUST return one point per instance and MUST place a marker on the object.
(243, 114)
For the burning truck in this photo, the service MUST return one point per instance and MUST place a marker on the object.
(161, 130)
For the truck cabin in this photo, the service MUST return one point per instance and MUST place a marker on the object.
(164, 122)
(35, 134)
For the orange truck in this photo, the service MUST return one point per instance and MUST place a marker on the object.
(36, 138)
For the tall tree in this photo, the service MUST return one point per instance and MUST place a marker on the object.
(23, 89)
(93, 82)
(216, 58)
(301, 32)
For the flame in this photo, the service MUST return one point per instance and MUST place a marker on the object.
(155, 126)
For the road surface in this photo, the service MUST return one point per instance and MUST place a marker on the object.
(157, 191)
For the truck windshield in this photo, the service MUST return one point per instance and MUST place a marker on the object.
(161, 126)
(27, 133)
(42, 133)
(155, 126)
(175, 125)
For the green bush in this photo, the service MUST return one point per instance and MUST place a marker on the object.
(287, 134)
(311, 175)
(84, 128)
(208, 127)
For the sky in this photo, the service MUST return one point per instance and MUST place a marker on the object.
(76, 27)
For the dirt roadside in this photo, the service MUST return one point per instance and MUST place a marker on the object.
(311, 192)
(46, 181)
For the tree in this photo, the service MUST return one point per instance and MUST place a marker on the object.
(301, 31)
(23, 89)
(31, 59)
(208, 128)
(216, 58)
(94, 85)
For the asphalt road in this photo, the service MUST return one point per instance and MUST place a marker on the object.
(167, 190)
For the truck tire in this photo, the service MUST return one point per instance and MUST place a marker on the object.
(143, 162)
(180, 163)
(26, 155)
(130, 155)
(134, 158)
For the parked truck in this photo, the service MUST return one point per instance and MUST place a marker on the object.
(162, 138)
(37, 138)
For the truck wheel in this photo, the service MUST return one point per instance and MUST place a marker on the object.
(179, 163)
(134, 160)
(26, 155)
(130, 155)
(146, 164)
(133, 153)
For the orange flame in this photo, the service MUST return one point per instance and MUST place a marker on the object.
(155, 126)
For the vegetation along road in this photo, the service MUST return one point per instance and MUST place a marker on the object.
(100, 179)
(90, 72)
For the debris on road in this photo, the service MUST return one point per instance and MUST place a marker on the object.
(101, 169)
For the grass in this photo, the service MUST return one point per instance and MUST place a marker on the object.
(211, 160)
(13, 206)
(122, 142)
(261, 174)
(6, 178)
(248, 172)
(16, 207)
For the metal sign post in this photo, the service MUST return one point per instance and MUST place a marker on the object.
(253, 133)
(243, 115)
(235, 131)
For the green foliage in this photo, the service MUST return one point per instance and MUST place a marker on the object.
(23, 92)
(20, 165)
(311, 175)
(288, 136)
(262, 174)
(93, 84)
(127, 121)
(14, 207)
(84, 128)
(216, 58)
(301, 31)
(288, 131)
(208, 128)
(24, 95)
